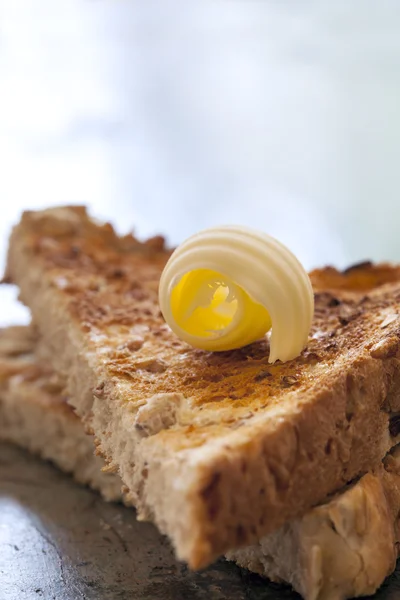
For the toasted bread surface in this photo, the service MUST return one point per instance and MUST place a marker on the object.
(342, 548)
(218, 449)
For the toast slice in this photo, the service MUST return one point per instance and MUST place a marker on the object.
(34, 414)
(342, 548)
(218, 449)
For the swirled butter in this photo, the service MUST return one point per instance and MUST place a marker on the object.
(225, 287)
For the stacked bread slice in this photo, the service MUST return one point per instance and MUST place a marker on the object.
(224, 452)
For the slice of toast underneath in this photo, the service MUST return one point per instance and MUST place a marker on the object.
(219, 449)
(343, 548)
(34, 414)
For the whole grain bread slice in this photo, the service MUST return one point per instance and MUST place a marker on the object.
(343, 548)
(217, 449)
(34, 415)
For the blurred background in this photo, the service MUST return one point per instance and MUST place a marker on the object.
(168, 116)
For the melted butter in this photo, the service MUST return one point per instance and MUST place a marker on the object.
(225, 287)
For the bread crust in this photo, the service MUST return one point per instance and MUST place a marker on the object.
(238, 446)
(340, 549)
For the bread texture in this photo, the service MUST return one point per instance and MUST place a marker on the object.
(34, 415)
(218, 449)
(340, 549)
(343, 548)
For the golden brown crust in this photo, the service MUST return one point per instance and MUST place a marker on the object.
(360, 277)
(340, 549)
(264, 442)
(343, 548)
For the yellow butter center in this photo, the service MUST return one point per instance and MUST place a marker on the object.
(226, 287)
(211, 307)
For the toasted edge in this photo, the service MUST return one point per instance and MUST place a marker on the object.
(182, 496)
(342, 548)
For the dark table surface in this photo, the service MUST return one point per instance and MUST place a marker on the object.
(60, 541)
